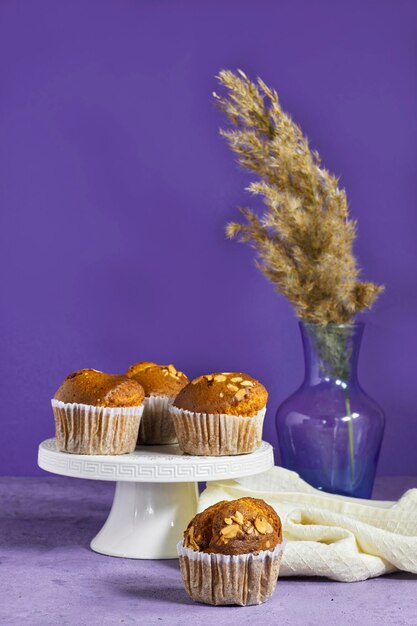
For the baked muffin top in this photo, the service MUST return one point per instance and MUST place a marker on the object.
(232, 393)
(234, 527)
(96, 388)
(158, 380)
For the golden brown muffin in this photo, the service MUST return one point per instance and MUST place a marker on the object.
(232, 393)
(234, 527)
(89, 386)
(231, 553)
(158, 380)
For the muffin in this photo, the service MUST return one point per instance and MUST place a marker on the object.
(220, 414)
(161, 383)
(97, 413)
(231, 553)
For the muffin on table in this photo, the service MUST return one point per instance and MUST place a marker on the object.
(161, 383)
(231, 553)
(97, 413)
(220, 414)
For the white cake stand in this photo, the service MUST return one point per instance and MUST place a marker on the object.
(156, 492)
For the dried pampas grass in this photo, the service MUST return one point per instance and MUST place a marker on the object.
(304, 238)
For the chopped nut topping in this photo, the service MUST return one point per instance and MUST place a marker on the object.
(172, 369)
(236, 379)
(238, 517)
(209, 378)
(196, 380)
(221, 394)
(239, 395)
(263, 526)
(246, 383)
(230, 531)
(189, 539)
(232, 387)
(219, 378)
(228, 520)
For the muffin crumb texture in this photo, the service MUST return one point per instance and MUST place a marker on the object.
(231, 393)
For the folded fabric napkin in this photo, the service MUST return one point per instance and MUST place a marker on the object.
(346, 539)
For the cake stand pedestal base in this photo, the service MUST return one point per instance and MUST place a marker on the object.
(146, 520)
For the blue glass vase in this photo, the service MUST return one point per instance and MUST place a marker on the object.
(330, 431)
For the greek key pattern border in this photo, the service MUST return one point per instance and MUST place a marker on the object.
(158, 468)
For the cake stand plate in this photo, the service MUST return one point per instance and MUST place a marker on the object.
(156, 492)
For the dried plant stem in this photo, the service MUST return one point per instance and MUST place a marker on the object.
(350, 433)
(334, 349)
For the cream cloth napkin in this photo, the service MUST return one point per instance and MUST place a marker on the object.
(346, 539)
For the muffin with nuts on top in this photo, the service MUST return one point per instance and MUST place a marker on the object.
(161, 383)
(97, 413)
(220, 414)
(231, 553)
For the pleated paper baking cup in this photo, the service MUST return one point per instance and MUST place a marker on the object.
(220, 579)
(156, 425)
(85, 429)
(217, 435)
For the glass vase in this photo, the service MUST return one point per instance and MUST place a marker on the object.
(330, 431)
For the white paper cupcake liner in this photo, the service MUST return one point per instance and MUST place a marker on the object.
(220, 579)
(217, 435)
(156, 426)
(85, 429)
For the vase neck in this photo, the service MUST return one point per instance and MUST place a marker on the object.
(331, 352)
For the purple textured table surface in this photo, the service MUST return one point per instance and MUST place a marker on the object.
(48, 574)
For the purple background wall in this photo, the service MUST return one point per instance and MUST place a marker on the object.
(115, 188)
